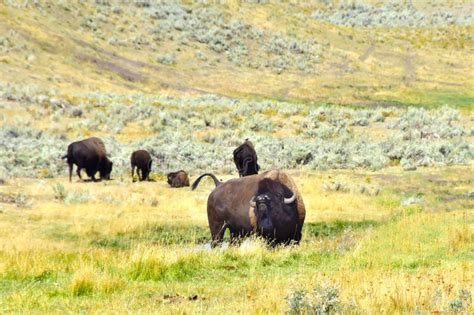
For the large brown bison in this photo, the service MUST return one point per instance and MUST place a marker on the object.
(178, 179)
(141, 159)
(268, 205)
(89, 154)
(245, 159)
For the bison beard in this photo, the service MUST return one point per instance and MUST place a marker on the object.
(276, 210)
(89, 154)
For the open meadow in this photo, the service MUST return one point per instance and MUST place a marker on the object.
(369, 106)
(122, 247)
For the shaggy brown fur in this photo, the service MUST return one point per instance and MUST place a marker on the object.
(141, 159)
(286, 180)
(178, 179)
(228, 204)
(91, 155)
(245, 159)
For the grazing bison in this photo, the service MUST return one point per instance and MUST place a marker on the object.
(91, 155)
(268, 204)
(245, 159)
(141, 159)
(178, 179)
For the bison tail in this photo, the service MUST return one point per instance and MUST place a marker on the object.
(63, 157)
(196, 182)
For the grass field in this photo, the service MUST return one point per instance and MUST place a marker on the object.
(121, 247)
(368, 105)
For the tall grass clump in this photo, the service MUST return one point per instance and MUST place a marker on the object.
(83, 283)
(77, 197)
(323, 299)
(60, 192)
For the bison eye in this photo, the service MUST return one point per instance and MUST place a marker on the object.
(263, 198)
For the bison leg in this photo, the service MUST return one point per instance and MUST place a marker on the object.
(148, 171)
(70, 172)
(93, 177)
(133, 170)
(91, 173)
(217, 232)
(235, 237)
(298, 235)
(78, 171)
(144, 174)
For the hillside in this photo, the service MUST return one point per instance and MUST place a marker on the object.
(367, 105)
(410, 55)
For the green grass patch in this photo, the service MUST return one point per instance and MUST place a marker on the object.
(337, 227)
(61, 232)
(157, 234)
(415, 239)
(431, 99)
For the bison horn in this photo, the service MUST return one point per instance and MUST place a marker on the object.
(289, 200)
(252, 202)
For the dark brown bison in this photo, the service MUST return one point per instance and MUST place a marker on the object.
(141, 159)
(268, 204)
(245, 159)
(89, 154)
(178, 179)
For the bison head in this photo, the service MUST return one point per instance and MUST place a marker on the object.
(275, 208)
(170, 177)
(106, 169)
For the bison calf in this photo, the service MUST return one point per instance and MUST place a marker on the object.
(89, 154)
(178, 179)
(141, 159)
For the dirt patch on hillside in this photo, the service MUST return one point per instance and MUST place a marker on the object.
(375, 104)
(113, 67)
(387, 178)
(367, 53)
(410, 70)
(4, 198)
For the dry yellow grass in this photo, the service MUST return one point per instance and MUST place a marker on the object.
(410, 66)
(131, 247)
(122, 247)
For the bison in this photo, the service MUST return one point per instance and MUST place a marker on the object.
(141, 159)
(91, 155)
(178, 179)
(268, 205)
(245, 159)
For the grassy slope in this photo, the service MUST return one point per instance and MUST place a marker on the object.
(362, 66)
(132, 247)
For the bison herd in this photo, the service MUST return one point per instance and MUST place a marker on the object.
(268, 205)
